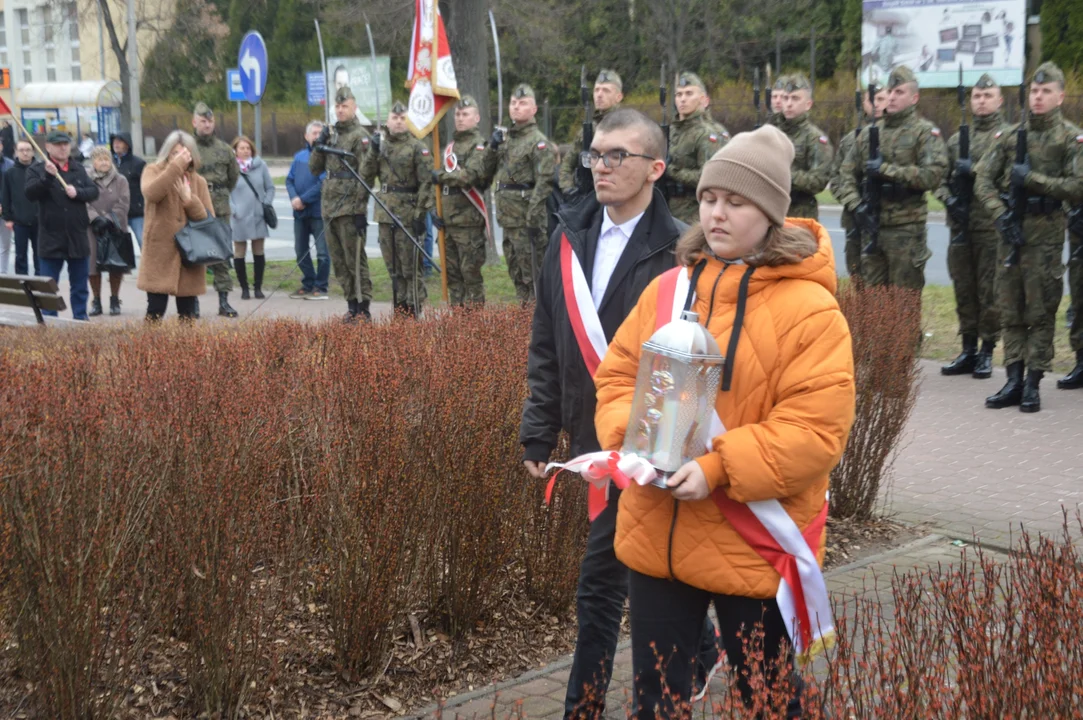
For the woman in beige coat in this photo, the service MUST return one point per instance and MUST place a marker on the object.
(174, 193)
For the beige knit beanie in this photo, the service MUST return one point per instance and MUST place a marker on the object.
(755, 165)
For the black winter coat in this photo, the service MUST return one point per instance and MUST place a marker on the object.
(17, 208)
(561, 388)
(131, 167)
(62, 221)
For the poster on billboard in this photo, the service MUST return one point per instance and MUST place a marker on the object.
(356, 72)
(934, 37)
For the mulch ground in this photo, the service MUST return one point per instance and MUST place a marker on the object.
(302, 679)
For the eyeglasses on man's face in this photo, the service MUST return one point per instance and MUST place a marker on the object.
(611, 159)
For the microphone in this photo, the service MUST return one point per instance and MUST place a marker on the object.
(334, 151)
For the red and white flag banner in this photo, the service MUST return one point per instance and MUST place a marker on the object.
(430, 75)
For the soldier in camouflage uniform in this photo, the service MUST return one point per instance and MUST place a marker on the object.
(218, 166)
(1074, 379)
(973, 263)
(344, 203)
(813, 157)
(1029, 292)
(608, 93)
(692, 142)
(913, 160)
(872, 113)
(524, 162)
(403, 165)
(777, 96)
(464, 222)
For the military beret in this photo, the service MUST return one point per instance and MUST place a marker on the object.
(343, 94)
(901, 75)
(609, 77)
(398, 108)
(522, 90)
(203, 110)
(797, 82)
(468, 101)
(1048, 72)
(58, 137)
(985, 81)
(688, 79)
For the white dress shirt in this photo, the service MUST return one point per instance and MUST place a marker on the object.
(611, 243)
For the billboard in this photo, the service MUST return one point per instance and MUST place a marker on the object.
(357, 73)
(934, 37)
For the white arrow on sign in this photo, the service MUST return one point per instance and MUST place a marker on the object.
(250, 66)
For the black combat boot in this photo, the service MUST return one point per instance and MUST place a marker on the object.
(983, 365)
(1012, 392)
(114, 305)
(242, 276)
(1031, 401)
(964, 364)
(351, 313)
(363, 310)
(1074, 379)
(259, 261)
(95, 307)
(195, 309)
(224, 308)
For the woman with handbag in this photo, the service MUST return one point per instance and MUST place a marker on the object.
(175, 194)
(108, 226)
(250, 203)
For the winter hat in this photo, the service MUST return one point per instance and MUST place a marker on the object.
(755, 165)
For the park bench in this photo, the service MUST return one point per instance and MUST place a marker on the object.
(29, 291)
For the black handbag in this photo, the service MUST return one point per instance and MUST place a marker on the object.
(269, 215)
(205, 242)
(115, 251)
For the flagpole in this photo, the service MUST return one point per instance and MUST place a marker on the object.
(437, 158)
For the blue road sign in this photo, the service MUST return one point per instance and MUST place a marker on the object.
(233, 85)
(252, 59)
(316, 88)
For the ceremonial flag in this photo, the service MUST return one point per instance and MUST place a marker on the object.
(430, 75)
(4, 109)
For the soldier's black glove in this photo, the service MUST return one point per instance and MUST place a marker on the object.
(964, 169)
(437, 222)
(957, 211)
(419, 227)
(1019, 174)
(325, 135)
(361, 225)
(1009, 231)
(872, 168)
(374, 143)
(1075, 221)
(867, 220)
(436, 175)
(498, 137)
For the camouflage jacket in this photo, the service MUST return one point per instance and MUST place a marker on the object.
(526, 159)
(218, 166)
(983, 132)
(717, 128)
(692, 142)
(342, 194)
(915, 161)
(813, 158)
(404, 168)
(570, 162)
(1055, 152)
(469, 149)
(846, 144)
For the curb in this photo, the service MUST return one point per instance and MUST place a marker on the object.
(566, 662)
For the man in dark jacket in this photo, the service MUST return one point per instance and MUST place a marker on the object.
(622, 237)
(62, 216)
(304, 189)
(131, 167)
(21, 213)
(6, 164)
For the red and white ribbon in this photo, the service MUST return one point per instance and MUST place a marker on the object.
(451, 164)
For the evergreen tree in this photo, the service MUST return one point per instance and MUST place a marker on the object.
(1062, 32)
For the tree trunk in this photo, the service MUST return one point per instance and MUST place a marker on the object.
(121, 53)
(468, 32)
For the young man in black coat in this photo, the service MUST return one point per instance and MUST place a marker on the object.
(131, 167)
(622, 237)
(20, 213)
(62, 217)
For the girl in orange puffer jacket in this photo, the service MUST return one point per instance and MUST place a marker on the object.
(765, 289)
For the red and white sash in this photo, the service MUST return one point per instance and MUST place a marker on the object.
(451, 164)
(765, 525)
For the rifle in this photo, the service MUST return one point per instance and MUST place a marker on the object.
(756, 96)
(584, 179)
(962, 180)
(871, 189)
(1010, 223)
(662, 91)
(1075, 227)
(768, 89)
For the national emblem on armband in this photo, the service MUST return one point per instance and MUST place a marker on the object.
(713, 138)
(541, 146)
(936, 132)
(823, 139)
